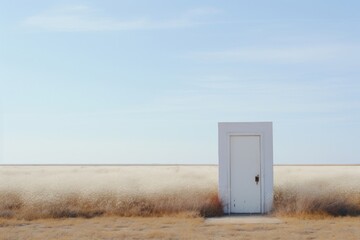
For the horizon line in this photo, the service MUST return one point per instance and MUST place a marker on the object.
(159, 164)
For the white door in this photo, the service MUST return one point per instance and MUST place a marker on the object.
(245, 191)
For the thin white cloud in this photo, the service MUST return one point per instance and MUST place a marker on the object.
(293, 54)
(83, 18)
(225, 94)
(203, 11)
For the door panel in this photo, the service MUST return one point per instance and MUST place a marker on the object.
(244, 168)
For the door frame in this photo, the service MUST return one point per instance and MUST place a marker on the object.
(229, 135)
(262, 129)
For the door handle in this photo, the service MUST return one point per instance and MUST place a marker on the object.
(257, 178)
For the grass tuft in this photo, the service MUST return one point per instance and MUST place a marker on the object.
(73, 205)
(301, 202)
(309, 202)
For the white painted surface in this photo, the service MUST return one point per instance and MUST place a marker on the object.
(244, 191)
(226, 187)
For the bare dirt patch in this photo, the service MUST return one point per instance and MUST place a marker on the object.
(177, 227)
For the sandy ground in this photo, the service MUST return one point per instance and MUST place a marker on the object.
(177, 228)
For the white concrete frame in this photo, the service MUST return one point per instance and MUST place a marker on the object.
(262, 129)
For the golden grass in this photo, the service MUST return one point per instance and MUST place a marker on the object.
(87, 192)
(307, 201)
(72, 205)
(287, 202)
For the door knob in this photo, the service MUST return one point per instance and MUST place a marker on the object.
(257, 178)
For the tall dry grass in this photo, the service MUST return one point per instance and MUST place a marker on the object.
(307, 201)
(288, 201)
(316, 191)
(87, 191)
(14, 205)
(61, 192)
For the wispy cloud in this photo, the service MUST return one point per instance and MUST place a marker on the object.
(292, 54)
(203, 11)
(226, 95)
(84, 18)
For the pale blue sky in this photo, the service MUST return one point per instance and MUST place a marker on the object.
(148, 81)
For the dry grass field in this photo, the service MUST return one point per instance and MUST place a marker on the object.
(137, 202)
